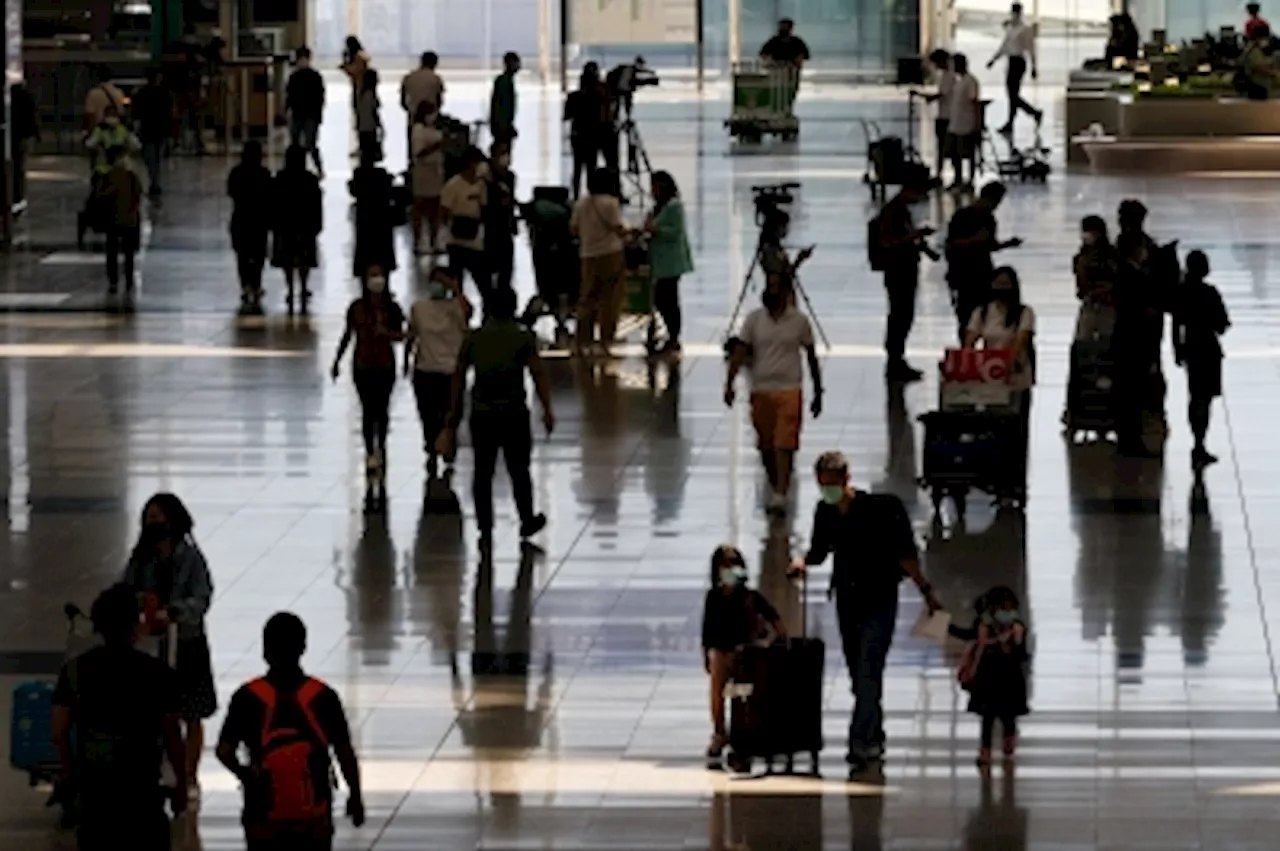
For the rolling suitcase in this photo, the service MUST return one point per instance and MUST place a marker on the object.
(776, 711)
(31, 747)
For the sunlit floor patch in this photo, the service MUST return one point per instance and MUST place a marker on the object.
(135, 350)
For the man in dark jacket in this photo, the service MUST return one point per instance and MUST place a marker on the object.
(153, 115)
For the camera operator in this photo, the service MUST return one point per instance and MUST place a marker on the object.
(895, 249)
(774, 260)
(589, 112)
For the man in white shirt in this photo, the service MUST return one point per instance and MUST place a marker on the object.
(773, 344)
(462, 203)
(438, 326)
(946, 80)
(964, 133)
(1019, 47)
(422, 86)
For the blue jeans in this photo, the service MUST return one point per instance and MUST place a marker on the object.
(866, 636)
(152, 154)
(305, 133)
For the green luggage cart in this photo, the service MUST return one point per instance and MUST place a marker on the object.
(763, 102)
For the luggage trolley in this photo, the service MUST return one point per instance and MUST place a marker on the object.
(890, 161)
(763, 101)
(972, 442)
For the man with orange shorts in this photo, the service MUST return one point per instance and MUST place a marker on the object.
(770, 345)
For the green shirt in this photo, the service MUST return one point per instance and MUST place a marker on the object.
(502, 108)
(499, 351)
(669, 254)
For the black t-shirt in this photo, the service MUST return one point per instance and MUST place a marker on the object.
(153, 110)
(869, 540)
(304, 94)
(731, 620)
(971, 264)
(787, 49)
(118, 697)
(500, 351)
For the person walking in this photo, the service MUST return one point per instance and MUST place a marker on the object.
(123, 195)
(304, 102)
(873, 547)
(994, 670)
(965, 116)
(373, 189)
(771, 340)
(169, 574)
(438, 326)
(1019, 48)
(292, 727)
(899, 244)
(597, 222)
(116, 714)
(249, 185)
(1199, 320)
(1096, 266)
(971, 242)
(462, 204)
(427, 147)
(502, 101)
(110, 133)
(669, 258)
(585, 110)
(418, 87)
(369, 118)
(153, 113)
(1005, 323)
(376, 323)
(355, 64)
(502, 221)
(298, 223)
(500, 351)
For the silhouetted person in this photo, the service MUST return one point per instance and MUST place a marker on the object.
(250, 186)
(1199, 319)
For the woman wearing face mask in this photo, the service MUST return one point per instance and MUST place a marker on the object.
(669, 257)
(732, 615)
(1096, 266)
(169, 572)
(994, 670)
(1006, 323)
(377, 324)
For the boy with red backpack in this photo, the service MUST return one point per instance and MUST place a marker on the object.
(289, 723)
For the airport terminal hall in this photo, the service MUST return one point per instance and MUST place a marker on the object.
(741, 425)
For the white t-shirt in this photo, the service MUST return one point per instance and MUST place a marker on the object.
(465, 199)
(946, 88)
(422, 86)
(1019, 41)
(965, 110)
(440, 327)
(989, 324)
(595, 219)
(777, 348)
(428, 169)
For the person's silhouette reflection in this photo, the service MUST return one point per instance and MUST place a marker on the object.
(372, 598)
(1202, 597)
(603, 448)
(763, 822)
(865, 796)
(436, 568)
(900, 464)
(667, 466)
(496, 720)
(997, 824)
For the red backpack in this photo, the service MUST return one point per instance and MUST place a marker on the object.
(293, 764)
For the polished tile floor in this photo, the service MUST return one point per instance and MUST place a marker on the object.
(1155, 684)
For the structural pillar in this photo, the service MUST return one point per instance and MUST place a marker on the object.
(167, 25)
(735, 32)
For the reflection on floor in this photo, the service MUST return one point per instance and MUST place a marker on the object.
(555, 699)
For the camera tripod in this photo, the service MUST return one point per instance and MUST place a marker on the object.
(756, 260)
(637, 167)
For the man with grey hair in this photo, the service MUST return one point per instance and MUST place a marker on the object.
(874, 548)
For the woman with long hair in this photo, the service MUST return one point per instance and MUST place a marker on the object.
(298, 223)
(369, 117)
(171, 576)
(669, 257)
(376, 323)
(1005, 323)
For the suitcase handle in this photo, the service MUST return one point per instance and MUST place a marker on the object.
(803, 575)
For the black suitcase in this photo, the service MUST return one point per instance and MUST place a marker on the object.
(1089, 390)
(776, 710)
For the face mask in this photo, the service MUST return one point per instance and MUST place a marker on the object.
(155, 531)
(1002, 295)
(377, 285)
(732, 576)
(832, 494)
(1004, 617)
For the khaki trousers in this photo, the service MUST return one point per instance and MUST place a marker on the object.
(601, 297)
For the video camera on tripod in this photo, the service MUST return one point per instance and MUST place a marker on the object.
(624, 79)
(769, 200)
